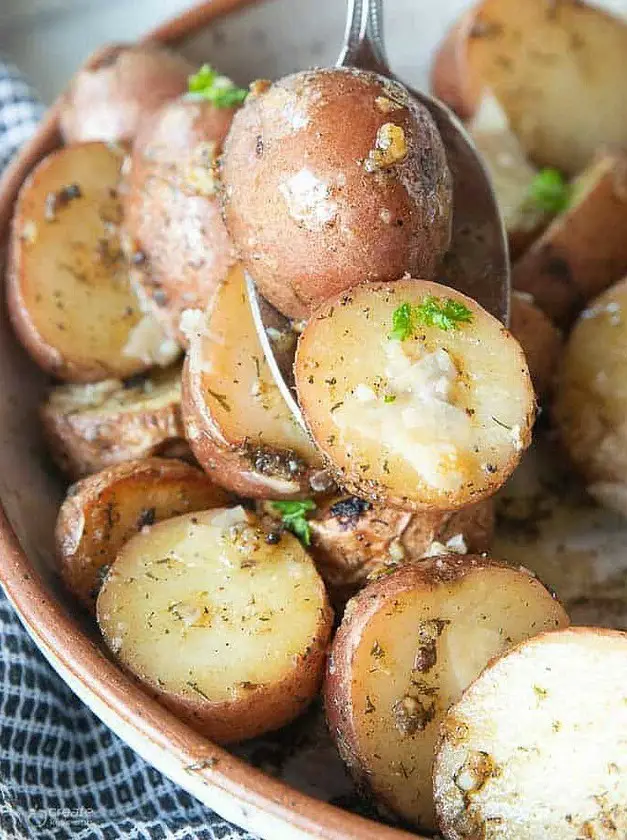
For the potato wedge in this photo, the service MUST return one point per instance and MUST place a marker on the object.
(540, 340)
(590, 407)
(438, 420)
(172, 219)
(93, 426)
(227, 630)
(236, 420)
(584, 250)
(554, 68)
(408, 645)
(104, 511)
(69, 292)
(109, 99)
(536, 747)
(352, 539)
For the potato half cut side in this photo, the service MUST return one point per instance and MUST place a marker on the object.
(95, 425)
(408, 645)
(584, 249)
(236, 420)
(590, 406)
(438, 419)
(104, 511)
(554, 68)
(69, 292)
(227, 630)
(537, 746)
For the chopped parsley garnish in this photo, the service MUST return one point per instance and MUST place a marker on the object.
(446, 314)
(549, 191)
(217, 89)
(294, 517)
(389, 398)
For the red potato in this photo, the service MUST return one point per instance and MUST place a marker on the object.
(555, 68)
(101, 513)
(108, 100)
(173, 222)
(236, 420)
(225, 628)
(536, 746)
(333, 177)
(69, 292)
(541, 341)
(408, 646)
(584, 249)
(437, 420)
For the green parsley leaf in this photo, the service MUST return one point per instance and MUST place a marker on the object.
(389, 398)
(446, 314)
(294, 517)
(549, 191)
(217, 89)
(401, 323)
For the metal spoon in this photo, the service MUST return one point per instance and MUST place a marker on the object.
(477, 262)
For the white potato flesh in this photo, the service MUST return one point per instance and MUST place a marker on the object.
(69, 291)
(438, 420)
(407, 648)
(590, 407)
(537, 746)
(227, 629)
(236, 420)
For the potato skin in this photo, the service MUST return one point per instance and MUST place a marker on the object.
(307, 217)
(540, 340)
(352, 539)
(86, 436)
(100, 513)
(109, 99)
(173, 222)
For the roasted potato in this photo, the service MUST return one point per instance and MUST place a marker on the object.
(536, 746)
(90, 427)
(540, 340)
(511, 173)
(236, 420)
(408, 645)
(333, 177)
(173, 223)
(226, 629)
(352, 539)
(590, 408)
(411, 407)
(104, 511)
(69, 292)
(109, 99)
(584, 250)
(555, 68)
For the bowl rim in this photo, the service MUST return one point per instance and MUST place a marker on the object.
(248, 797)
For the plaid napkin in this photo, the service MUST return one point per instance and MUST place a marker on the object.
(63, 774)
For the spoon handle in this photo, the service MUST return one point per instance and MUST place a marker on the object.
(363, 37)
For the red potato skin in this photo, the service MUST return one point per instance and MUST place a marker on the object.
(540, 340)
(174, 228)
(109, 99)
(449, 81)
(369, 226)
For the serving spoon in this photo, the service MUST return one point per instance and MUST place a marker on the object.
(477, 261)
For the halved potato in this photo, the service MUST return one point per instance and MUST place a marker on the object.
(555, 67)
(584, 250)
(108, 99)
(102, 512)
(93, 426)
(236, 420)
(408, 645)
(540, 340)
(590, 408)
(69, 292)
(352, 539)
(438, 420)
(227, 629)
(537, 746)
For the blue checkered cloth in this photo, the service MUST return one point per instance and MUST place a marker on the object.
(63, 774)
